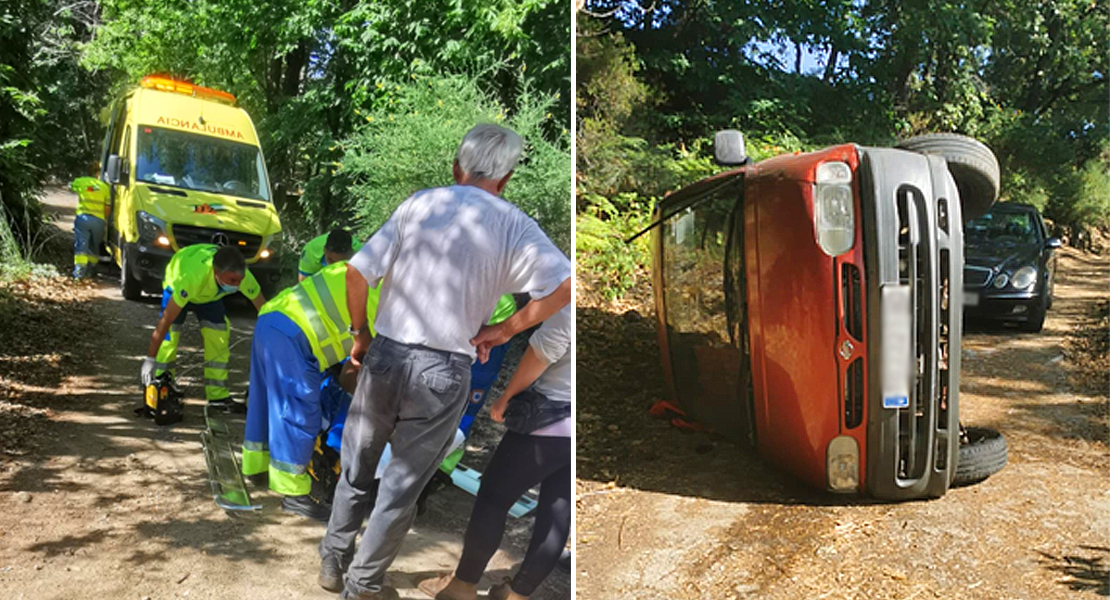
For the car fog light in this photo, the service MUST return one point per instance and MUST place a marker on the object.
(1001, 281)
(1020, 309)
(265, 253)
(842, 464)
(163, 241)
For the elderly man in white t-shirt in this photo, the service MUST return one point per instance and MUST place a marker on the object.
(443, 259)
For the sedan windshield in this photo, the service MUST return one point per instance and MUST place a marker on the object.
(1002, 228)
(199, 162)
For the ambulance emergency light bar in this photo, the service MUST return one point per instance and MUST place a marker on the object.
(167, 84)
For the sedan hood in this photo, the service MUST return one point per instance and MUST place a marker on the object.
(1001, 256)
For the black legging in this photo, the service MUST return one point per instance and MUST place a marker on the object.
(520, 462)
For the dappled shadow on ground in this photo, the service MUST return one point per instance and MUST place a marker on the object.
(139, 485)
(619, 378)
(1085, 570)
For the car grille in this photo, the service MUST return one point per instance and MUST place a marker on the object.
(917, 269)
(187, 235)
(976, 277)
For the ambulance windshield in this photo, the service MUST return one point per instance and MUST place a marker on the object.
(200, 162)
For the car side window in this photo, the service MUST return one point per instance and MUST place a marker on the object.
(704, 355)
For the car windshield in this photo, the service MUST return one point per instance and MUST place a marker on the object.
(199, 162)
(1002, 228)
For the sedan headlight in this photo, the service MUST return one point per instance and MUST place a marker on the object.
(1024, 278)
(152, 229)
(834, 213)
(1000, 281)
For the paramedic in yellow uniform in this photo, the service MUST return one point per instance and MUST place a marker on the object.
(197, 279)
(88, 227)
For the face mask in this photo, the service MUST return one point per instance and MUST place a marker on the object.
(226, 289)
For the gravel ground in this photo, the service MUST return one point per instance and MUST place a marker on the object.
(673, 515)
(97, 504)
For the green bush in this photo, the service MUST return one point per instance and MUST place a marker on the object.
(600, 244)
(409, 144)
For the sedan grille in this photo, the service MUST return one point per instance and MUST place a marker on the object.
(976, 277)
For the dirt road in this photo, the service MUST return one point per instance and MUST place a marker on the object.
(103, 505)
(664, 514)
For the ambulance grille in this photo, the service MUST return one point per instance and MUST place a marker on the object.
(187, 235)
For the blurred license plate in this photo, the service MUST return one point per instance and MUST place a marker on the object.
(971, 298)
(897, 340)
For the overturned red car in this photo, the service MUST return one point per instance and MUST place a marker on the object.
(810, 305)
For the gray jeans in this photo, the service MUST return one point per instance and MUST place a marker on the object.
(412, 397)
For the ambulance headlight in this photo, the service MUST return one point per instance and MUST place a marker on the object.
(834, 213)
(271, 245)
(152, 229)
(842, 464)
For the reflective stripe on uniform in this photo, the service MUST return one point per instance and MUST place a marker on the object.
(213, 325)
(327, 346)
(220, 383)
(324, 292)
(285, 467)
(215, 365)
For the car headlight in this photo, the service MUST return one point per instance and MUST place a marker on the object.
(152, 229)
(834, 213)
(1000, 281)
(1024, 278)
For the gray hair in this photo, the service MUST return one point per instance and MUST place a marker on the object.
(489, 151)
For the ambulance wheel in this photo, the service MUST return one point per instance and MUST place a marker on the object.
(129, 286)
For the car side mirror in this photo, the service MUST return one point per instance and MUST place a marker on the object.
(1053, 243)
(728, 148)
(112, 171)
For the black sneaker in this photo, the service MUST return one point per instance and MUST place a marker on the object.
(331, 574)
(259, 479)
(306, 507)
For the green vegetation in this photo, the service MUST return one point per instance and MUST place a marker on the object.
(656, 80)
(310, 73)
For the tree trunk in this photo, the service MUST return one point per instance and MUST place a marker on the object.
(294, 65)
(798, 57)
(830, 66)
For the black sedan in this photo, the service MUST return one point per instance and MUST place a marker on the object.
(1009, 266)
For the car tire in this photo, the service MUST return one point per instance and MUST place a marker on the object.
(1035, 321)
(984, 455)
(129, 286)
(972, 164)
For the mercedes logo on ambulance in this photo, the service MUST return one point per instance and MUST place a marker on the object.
(221, 239)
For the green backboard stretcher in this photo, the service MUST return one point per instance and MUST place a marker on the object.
(224, 473)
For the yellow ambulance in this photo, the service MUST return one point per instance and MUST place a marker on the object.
(185, 167)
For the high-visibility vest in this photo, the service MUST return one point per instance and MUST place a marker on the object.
(92, 196)
(318, 305)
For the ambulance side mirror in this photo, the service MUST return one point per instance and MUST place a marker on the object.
(112, 171)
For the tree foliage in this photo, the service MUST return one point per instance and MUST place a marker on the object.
(1028, 79)
(308, 70)
(656, 79)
